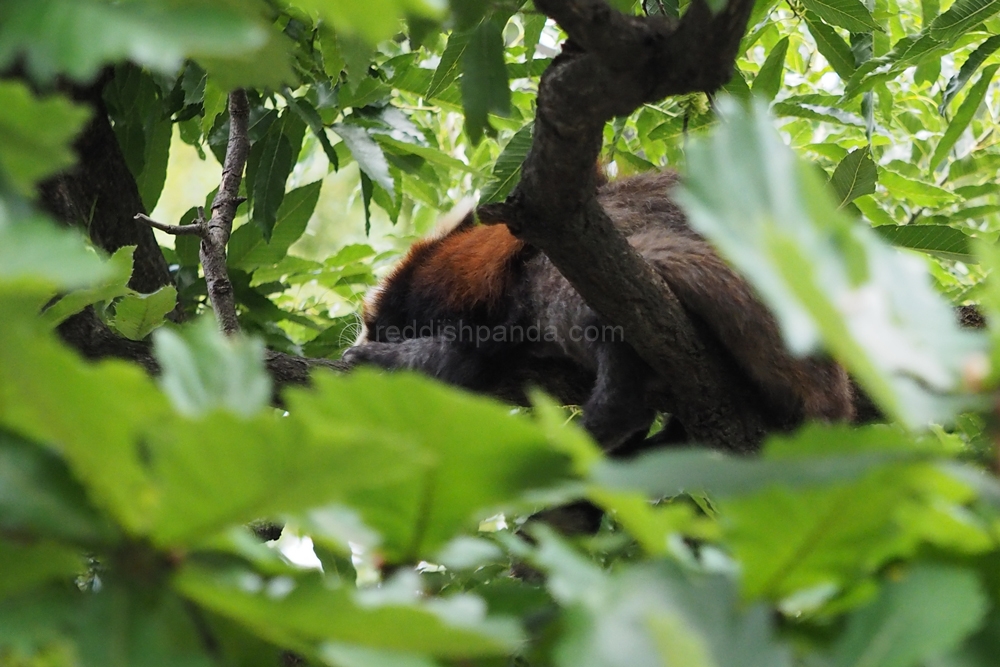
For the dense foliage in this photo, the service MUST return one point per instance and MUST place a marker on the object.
(848, 129)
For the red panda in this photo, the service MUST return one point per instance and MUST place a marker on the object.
(469, 305)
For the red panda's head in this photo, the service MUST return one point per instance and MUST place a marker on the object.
(465, 271)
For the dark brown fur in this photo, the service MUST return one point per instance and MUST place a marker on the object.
(484, 277)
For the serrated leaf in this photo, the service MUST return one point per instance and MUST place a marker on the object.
(115, 284)
(920, 193)
(484, 79)
(924, 614)
(269, 181)
(963, 116)
(833, 47)
(247, 248)
(854, 177)
(448, 68)
(138, 314)
(961, 16)
(938, 240)
(216, 102)
(507, 170)
(368, 155)
(35, 134)
(849, 14)
(768, 80)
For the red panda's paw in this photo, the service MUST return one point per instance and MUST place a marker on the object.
(384, 355)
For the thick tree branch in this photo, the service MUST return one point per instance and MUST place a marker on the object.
(99, 194)
(610, 66)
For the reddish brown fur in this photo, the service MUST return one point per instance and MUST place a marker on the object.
(471, 267)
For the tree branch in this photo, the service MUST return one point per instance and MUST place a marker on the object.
(219, 228)
(99, 195)
(610, 65)
(196, 229)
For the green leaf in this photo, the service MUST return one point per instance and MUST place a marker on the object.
(969, 67)
(768, 80)
(308, 113)
(833, 47)
(456, 485)
(215, 104)
(395, 617)
(938, 240)
(854, 177)
(926, 613)
(115, 284)
(961, 16)
(374, 20)
(35, 249)
(138, 314)
(39, 497)
(154, 172)
(247, 248)
(77, 37)
(796, 540)
(432, 155)
(964, 115)
(203, 370)
(484, 79)
(93, 414)
(668, 615)
(269, 180)
(448, 68)
(117, 625)
(507, 170)
(825, 278)
(35, 134)
(368, 154)
(919, 193)
(286, 464)
(848, 14)
(675, 472)
(22, 567)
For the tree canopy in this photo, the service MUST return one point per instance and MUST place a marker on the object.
(170, 386)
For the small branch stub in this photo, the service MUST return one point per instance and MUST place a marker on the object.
(194, 229)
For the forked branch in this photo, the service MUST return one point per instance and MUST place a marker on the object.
(215, 232)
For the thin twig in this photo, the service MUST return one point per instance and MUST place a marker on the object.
(219, 228)
(194, 229)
